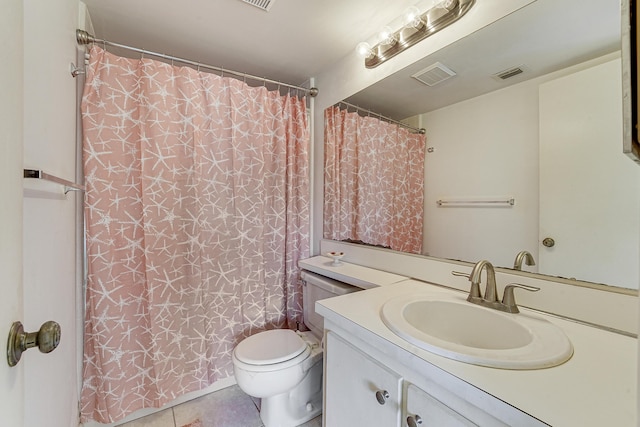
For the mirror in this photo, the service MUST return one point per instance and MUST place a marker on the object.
(549, 137)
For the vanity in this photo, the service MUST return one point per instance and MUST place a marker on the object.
(374, 377)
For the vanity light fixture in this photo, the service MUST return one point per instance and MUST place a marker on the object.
(417, 26)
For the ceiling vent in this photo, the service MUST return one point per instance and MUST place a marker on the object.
(434, 74)
(508, 73)
(261, 4)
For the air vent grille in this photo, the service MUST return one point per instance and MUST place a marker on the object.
(507, 74)
(434, 74)
(261, 4)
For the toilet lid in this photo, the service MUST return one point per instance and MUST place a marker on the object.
(270, 347)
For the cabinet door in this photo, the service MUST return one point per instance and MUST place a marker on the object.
(427, 411)
(358, 391)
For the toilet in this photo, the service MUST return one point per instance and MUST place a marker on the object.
(284, 367)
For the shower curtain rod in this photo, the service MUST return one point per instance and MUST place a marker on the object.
(84, 38)
(420, 131)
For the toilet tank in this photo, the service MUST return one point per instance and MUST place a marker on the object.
(315, 288)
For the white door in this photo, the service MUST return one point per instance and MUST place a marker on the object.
(49, 216)
(11, 49)
(582, 176)
(424, 409)
(358, 391)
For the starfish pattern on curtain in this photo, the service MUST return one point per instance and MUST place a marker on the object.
(197, 211)
(373, 181)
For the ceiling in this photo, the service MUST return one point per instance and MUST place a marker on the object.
(294, 40)
(298, 39)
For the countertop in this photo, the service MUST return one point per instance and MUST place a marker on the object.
(596, 387)
(356, 275)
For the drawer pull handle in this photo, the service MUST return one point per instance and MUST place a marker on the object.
(382, 396)
(414, 420)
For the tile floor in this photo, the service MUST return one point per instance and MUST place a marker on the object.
(229, 407)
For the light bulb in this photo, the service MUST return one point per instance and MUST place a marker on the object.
(448, 4)
(387, 37)
(412, 18)
(364, 50)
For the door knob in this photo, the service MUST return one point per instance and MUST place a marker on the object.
(548, 242)
(46, 339)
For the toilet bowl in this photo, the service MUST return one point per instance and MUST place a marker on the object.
(284, 367)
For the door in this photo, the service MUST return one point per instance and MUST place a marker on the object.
(580, 118)
(50, 278)
(358, 390)
(424, 409)
(11, 103)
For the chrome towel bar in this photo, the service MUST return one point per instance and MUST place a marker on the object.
(38, 174)
(470, 202)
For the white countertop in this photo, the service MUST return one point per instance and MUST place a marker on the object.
(596, 387)
(352, 274)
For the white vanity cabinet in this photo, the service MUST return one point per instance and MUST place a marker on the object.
(363, 355)
(366, 385)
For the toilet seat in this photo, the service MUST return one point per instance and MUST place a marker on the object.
(270, 347)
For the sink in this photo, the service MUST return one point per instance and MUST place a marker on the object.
(454, 328)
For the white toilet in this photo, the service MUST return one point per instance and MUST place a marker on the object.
(284, 367)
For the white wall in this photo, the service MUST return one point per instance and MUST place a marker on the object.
(471, 141)
(49, 216)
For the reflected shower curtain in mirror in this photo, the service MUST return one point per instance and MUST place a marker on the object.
(196, 216)
(373, 181)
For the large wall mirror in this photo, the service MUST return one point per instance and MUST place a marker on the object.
(533, 114)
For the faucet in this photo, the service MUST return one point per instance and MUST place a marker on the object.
(523, 256)
(490, 292)
(490, 299)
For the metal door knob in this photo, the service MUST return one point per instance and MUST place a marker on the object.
(382, 396)
(414, 420)
(46, 339)
(548, 242)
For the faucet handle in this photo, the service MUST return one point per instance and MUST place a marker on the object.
(461, 274)
(509, 300)
(474, 293)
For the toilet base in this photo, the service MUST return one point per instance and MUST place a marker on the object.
(297, 406)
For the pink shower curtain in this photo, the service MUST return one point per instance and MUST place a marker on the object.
(197, 213)
(373, 181)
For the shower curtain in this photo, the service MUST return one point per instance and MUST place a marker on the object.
(373, 181)
(196, 215)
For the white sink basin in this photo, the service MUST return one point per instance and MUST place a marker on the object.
(457, 329)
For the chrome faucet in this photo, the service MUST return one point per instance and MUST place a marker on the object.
(490, 298)
(523, 256)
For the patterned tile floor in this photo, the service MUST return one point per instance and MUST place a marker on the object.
(229, 407)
